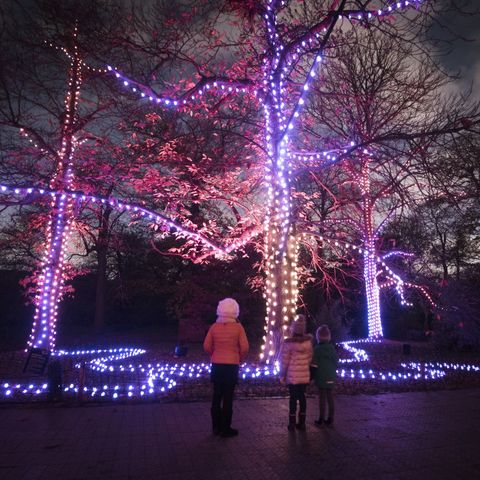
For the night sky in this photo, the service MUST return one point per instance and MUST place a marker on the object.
(465, 56)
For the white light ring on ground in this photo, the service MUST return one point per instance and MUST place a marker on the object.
(160, 378)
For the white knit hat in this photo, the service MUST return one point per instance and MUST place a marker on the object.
(228, 307)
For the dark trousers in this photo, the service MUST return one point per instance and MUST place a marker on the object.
(297, 393)
(224, 378)
(325, 395)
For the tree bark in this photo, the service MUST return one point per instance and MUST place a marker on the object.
(102, 250)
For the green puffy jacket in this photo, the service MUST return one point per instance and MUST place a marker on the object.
(325, 358)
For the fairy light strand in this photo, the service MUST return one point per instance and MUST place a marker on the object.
(133, 209)
(124, 373)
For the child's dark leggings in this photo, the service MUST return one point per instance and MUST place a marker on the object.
(326, 394)
(297, 392)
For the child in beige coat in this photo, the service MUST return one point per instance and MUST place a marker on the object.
(296, 356)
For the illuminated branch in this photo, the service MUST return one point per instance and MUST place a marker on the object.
(37, 141)
(395, 279)
(218, 84)
(397, 253)
(118, 205)
(459, 127)
(425, 294)
(70, 57)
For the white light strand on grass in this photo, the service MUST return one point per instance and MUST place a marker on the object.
(161, 378)
(152, 380)
(121, 352)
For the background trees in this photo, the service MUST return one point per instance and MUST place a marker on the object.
(378, 96)
(43, 73)
(100, 128)
(207, 164)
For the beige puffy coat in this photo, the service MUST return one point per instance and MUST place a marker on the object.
(295, 360)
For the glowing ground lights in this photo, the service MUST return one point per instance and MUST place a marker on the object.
(124, 373)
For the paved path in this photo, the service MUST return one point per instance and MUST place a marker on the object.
(431, 435)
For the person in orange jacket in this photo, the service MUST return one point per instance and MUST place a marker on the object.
(227, 345)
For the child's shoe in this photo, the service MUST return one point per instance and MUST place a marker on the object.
(318, 423)
(301, 421)
(291, 423)
(229, 432)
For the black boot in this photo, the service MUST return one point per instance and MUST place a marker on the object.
(229, 432)
(301, 421)
(226, 423)
(216, 421)
(291, 423)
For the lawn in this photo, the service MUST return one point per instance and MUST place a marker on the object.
(152, 373)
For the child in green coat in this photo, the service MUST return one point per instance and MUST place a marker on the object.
(325, 358)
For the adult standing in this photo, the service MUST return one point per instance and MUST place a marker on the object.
(227, 345)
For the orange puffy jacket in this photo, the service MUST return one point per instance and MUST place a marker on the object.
(226, 342)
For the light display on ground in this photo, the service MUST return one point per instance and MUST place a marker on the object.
(157, 380)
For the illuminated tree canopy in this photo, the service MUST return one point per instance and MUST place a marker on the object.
(248, 105)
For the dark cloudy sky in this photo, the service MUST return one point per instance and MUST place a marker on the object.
(465, 56)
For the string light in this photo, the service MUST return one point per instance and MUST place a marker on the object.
(25, 134)
(133, 209)
(52, 275)
(72, 57)
(372, 286)
(120, 373)
(146, 93)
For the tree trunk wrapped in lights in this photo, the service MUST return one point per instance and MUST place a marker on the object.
(51, 279)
